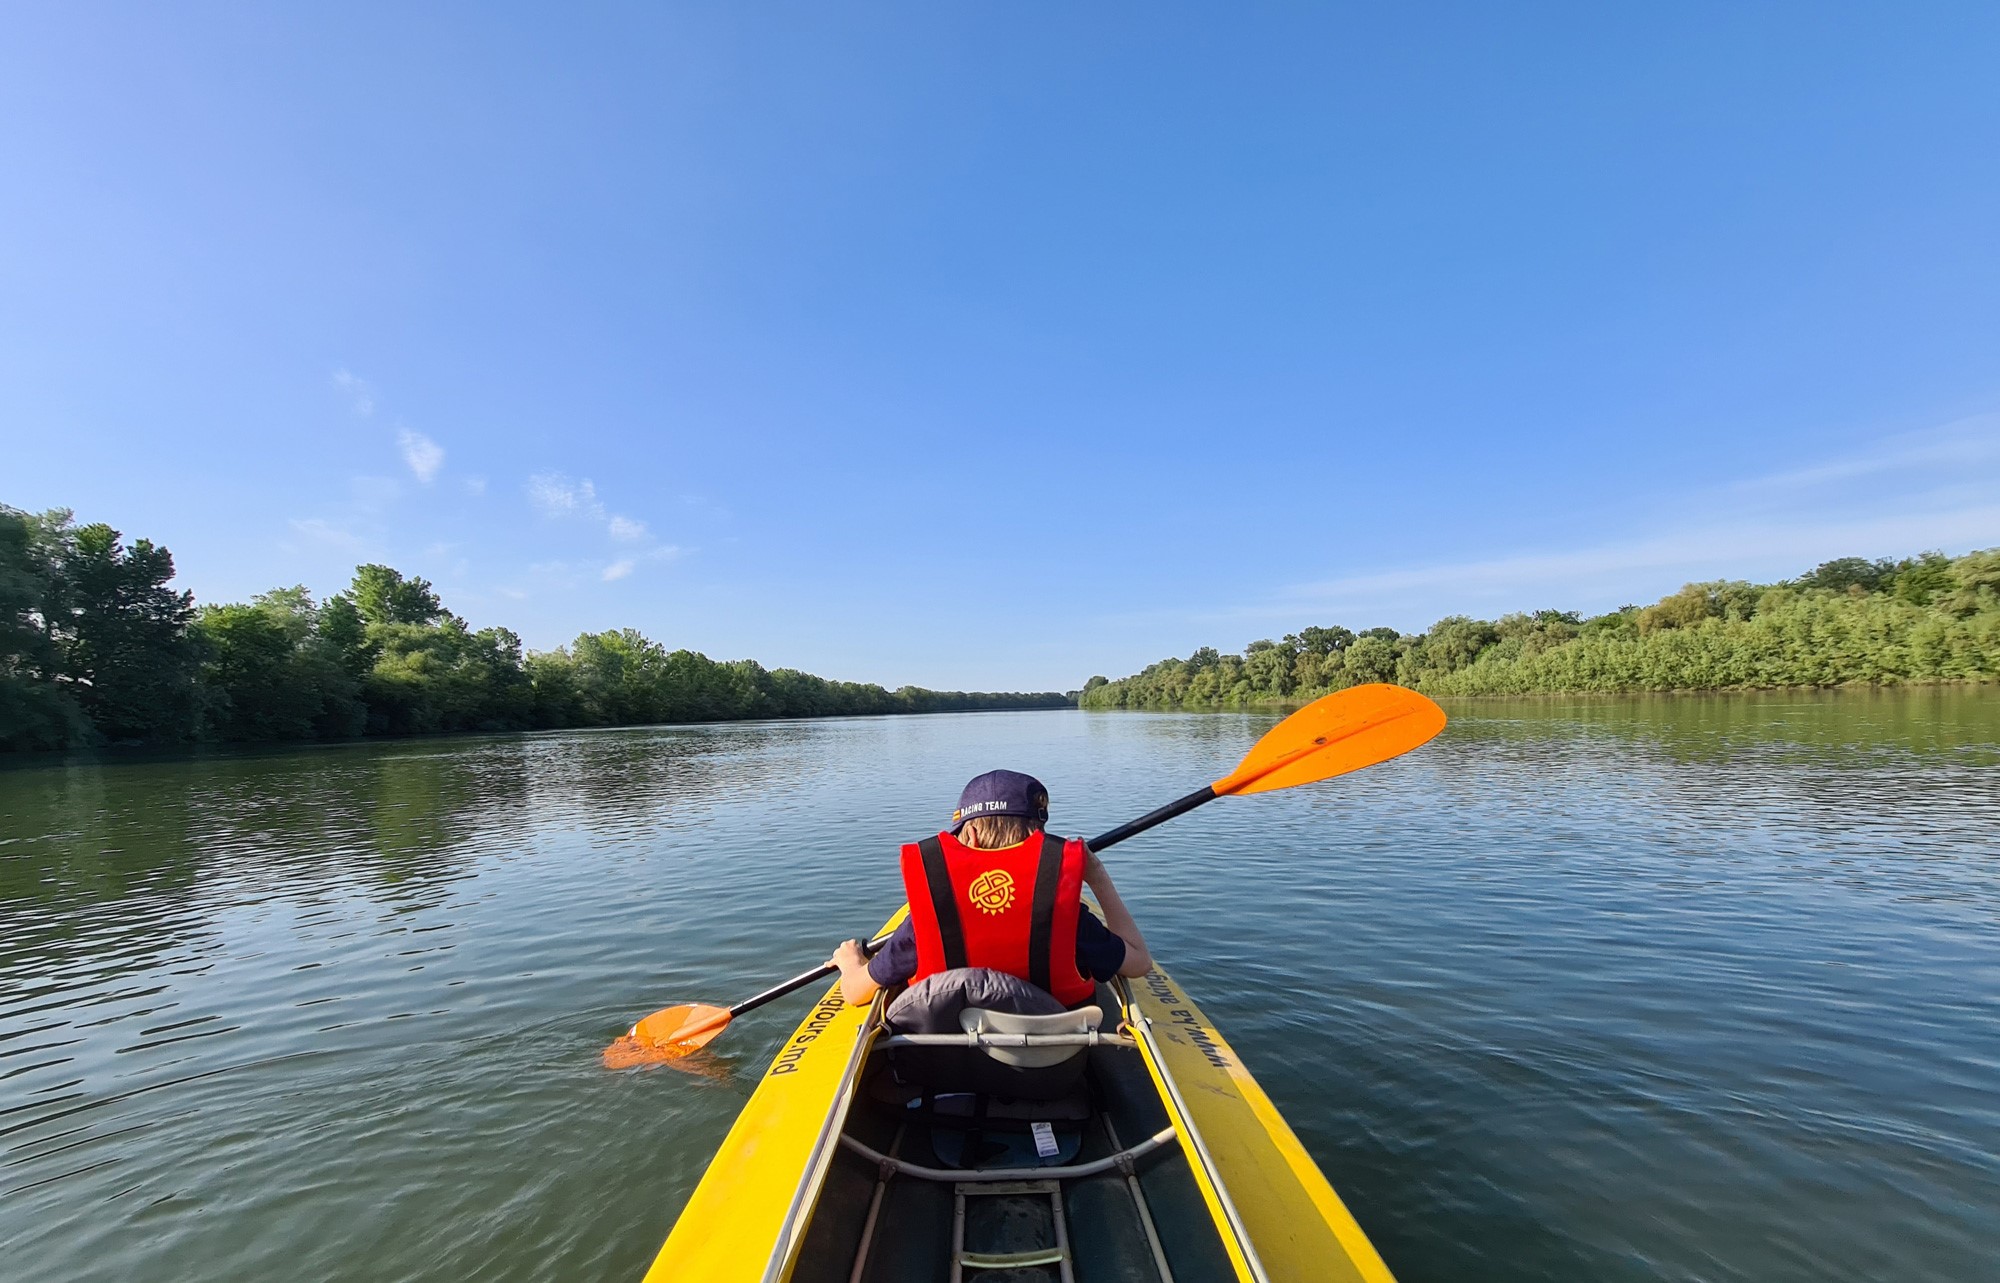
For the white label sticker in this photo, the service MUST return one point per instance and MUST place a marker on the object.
(1045, 1139)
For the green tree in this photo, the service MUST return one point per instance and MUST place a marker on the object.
(445, 677)
(1977, 579)
(1924, 578)
(122, 633)
(383, 596)
(1371, 658)
(344, 634)
(1268, 667)
(271, 671)
(1451, 644)
(36, 710)
(92, 639)
(1927, 618)
(1623, 622)
(1845, 573)
(250, 670)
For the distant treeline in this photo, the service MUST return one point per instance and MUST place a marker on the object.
(1929, 618)
(95, 647)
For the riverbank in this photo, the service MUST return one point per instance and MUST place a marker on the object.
(1297, 700)
(97, 648)
(1923, 620)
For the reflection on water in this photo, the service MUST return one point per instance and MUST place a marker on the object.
(1608, 989)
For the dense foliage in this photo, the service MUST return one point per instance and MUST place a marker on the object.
(1922, 619)
(96, 647)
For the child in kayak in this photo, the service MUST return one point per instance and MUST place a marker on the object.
(996, 917)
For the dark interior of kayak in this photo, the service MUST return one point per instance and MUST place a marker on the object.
(1021, 1150)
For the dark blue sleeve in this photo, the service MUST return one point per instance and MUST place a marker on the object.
(896, 961)
(1099, 953)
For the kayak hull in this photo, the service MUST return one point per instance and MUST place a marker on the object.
(806, 1188)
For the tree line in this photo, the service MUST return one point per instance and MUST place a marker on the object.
(96, 647)
(1928, 618)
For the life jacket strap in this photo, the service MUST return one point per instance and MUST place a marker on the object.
(944, 906)
(1041, 927)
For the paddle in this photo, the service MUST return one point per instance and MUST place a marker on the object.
(673, 1032)
(1331, 736)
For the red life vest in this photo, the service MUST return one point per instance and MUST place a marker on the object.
(1013, 909)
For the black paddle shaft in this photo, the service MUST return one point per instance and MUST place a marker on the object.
(803, 979)
(1206, 793)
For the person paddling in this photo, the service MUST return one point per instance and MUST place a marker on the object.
(997, 918)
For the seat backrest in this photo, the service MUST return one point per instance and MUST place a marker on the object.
(978, 1020)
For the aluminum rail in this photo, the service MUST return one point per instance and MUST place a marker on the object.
(1197, 1149)
(1094, 1038)
(1076, 1171)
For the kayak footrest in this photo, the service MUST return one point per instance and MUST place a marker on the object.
(955, 1175)
(1095, 1038)
(1009, 1260)
(1056, 1253)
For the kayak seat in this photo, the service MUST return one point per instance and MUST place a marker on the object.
(1009, 1073)
(978, 1020)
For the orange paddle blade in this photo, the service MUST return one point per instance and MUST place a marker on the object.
(667, 1035)
(1333, 735)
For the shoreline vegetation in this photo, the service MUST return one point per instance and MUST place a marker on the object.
(96, 648)
(1928, 619)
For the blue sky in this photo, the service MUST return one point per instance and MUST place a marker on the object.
(995, 346)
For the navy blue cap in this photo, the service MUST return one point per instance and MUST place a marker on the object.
(1002, 793)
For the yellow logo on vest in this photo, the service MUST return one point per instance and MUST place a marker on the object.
(992, 891)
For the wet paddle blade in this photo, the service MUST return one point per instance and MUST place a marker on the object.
(667, 1035)
(1333, 735)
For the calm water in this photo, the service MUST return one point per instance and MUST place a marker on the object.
(1672, 989)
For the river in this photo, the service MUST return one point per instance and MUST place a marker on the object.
(1671, 988)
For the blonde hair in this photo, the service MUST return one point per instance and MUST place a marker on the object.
(988, 832)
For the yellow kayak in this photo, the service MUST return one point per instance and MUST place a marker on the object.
(1150, 1153)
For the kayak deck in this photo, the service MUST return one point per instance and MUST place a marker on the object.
(1177, 1168)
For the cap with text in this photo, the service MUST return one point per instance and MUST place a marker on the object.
(1002, 793)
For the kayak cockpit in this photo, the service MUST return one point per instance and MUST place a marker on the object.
(1024, 1149)
(1158, 1157)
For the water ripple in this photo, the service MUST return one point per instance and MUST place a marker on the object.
(1648, 989)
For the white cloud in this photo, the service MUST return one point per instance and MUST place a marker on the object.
(1902, 494)
(1969, 443)
(359, 395)
(424, 455)
(1726, 549)
(561, 498)
(475, 485)
(555, 495)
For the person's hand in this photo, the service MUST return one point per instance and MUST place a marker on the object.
(848, 956)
